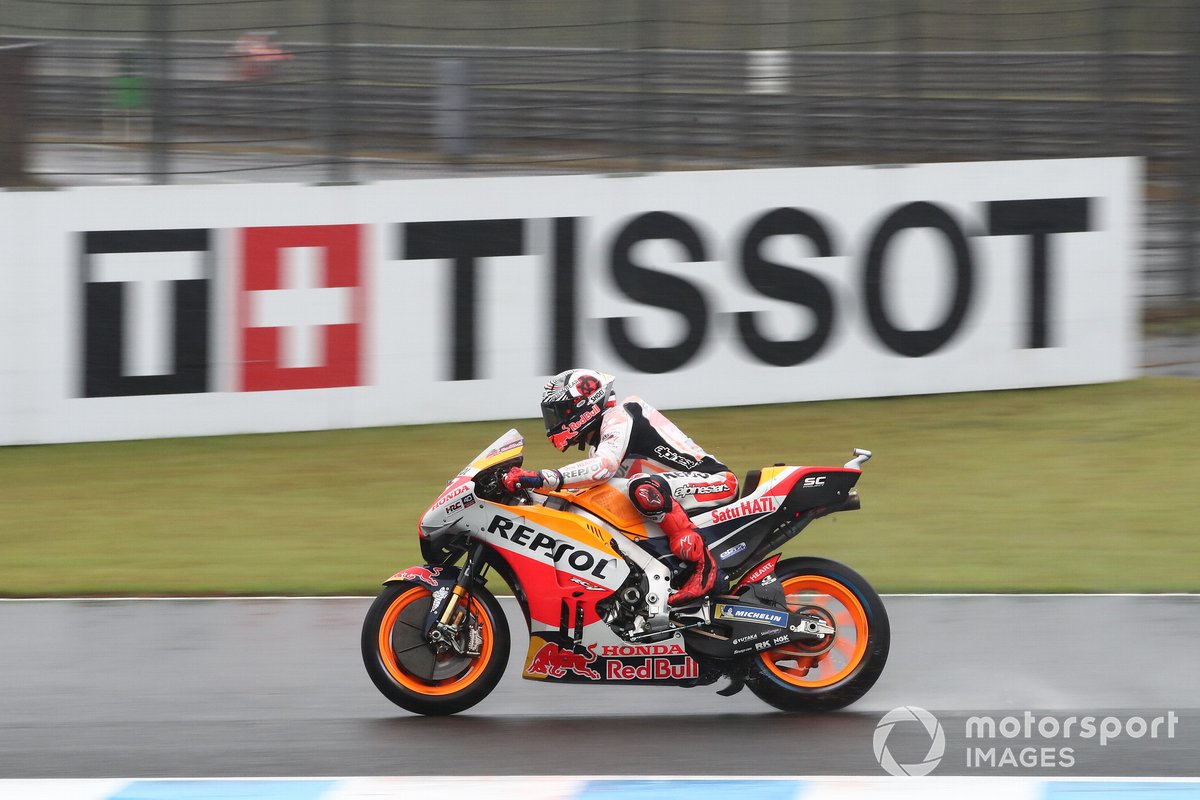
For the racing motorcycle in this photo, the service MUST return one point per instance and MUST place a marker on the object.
(592, 577)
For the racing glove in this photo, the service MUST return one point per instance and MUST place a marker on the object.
(520, 477)
(550, 478)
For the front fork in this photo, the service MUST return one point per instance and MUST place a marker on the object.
(447, 633)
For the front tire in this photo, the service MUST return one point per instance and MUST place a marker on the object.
(410, 672)
(830, 676)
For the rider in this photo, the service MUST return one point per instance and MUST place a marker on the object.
(668, 473)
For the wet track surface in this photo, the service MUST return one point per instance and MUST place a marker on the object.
(219, 688)
(205, 688)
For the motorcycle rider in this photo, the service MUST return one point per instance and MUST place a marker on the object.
(668, 473)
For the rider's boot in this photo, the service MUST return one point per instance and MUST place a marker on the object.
(687, 543)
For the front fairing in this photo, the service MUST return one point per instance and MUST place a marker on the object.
(509, 446)
(459, 495)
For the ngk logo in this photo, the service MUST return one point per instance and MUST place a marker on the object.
(150, 298)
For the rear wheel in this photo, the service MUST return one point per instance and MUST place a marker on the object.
(411, 672)
(830, 674)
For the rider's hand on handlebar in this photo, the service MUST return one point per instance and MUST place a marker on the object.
(521, 477)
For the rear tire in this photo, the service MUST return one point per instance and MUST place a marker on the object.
(410, 672)
(840, 673)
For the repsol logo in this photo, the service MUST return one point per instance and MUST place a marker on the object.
(557, 549)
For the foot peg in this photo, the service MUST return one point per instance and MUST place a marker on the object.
(736, 684)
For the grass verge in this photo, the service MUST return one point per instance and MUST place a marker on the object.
(1089, 488)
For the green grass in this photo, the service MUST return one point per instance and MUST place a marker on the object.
(1092, 488)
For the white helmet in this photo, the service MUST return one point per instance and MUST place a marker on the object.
(573, 404)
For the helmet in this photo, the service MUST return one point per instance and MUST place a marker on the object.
(573, 404)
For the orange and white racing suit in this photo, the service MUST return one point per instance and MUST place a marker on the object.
(668, 473)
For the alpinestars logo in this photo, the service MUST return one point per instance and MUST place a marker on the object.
(669, 456)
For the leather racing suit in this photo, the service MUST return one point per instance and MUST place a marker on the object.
(669, 475)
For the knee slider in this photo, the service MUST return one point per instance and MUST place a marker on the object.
(651, 495)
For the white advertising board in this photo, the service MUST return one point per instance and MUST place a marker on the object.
(133, 312)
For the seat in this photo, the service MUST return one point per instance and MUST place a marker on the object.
(751, 482)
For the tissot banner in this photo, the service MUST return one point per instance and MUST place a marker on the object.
(131, 312)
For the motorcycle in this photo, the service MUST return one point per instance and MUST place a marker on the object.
(592, 577)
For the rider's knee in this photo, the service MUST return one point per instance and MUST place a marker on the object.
(651, 495)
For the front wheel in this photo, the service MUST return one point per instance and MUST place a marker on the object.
(828, 675)
(411, 672)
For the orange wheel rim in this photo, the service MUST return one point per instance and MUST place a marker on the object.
(472, 667)
(849, 643)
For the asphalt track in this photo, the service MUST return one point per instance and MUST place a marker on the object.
(275, 687)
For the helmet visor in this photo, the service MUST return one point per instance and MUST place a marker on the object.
(557, 414)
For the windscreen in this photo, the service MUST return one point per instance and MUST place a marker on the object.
(508, 446)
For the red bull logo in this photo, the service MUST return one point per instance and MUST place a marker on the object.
(654, 669)
(555, 662)
(563, 437)
(426, 575)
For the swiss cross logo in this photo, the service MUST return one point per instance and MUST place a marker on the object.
(300, 307)
(150, 316)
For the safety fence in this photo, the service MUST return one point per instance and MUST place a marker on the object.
(163, 91)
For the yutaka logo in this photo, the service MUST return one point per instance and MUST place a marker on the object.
(937, 743)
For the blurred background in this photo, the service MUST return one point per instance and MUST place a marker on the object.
(200, 91)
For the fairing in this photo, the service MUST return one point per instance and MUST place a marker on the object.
(459, 494)
(560, 556)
